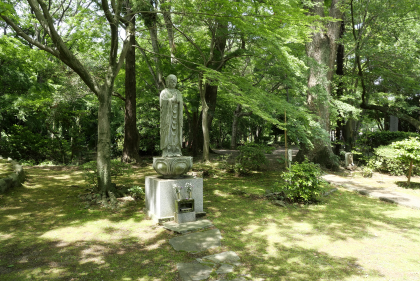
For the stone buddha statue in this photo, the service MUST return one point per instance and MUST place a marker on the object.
(171, 119)
(172, 164)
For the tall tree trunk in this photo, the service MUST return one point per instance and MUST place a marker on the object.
(340, 88)
(104, 140)
(322, 51)
(236, 115)
(204, 121)
(131, 135)
(168, 22)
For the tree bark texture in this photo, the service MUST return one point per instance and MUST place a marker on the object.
(236, 115)
(131, 135)
(322, 52)
(204, 121)
(104, 140)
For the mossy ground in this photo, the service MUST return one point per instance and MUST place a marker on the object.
(46, 233)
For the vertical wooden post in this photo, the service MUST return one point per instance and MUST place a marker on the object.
(409, 173)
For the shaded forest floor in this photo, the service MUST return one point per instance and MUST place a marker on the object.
(48, 233)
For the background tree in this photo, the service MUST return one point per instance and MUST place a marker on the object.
(57, 45)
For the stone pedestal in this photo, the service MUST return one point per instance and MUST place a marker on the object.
(161, 197)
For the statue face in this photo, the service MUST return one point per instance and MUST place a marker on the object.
(171, 83)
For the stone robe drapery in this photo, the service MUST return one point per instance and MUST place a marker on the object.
(171, 115)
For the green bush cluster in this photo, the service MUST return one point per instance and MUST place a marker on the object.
(371, 140)
(136, 192)
(23, 144)
(251, 158)
(302, 183)
(386, 160)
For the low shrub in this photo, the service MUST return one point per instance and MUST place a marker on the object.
(385, 160)
(136, 192)
(251, 158)
(372, 140)
(302, 183)
(367, 172)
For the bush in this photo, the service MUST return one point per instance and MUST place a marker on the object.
(118, 168)
(136, 192)
(303, 182)
(24, 145)
(367, 172)
(372, 140)
(251, 158)
(386, 160)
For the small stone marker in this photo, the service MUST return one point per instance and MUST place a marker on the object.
(197, 242)
(349, 160)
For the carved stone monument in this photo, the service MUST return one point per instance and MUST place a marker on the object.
(162, 202)
(172, 164)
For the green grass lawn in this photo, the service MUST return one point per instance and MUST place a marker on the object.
(48, 233)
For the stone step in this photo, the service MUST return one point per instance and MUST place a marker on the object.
(188, 226)
(197, 242)
(222, 263)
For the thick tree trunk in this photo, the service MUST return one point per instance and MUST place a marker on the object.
(340, 88)
(131, 135)
(104, 140)
(236, 115)
(322, 52)
(204, 121)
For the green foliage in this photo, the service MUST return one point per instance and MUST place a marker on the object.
(303, 182)
(386, 159)
(367, 172)
(251, 158)
(118, 169)
(136, 192)
(378, 138)
(23, 144)
(408, 149)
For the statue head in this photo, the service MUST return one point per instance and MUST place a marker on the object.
(171, 81)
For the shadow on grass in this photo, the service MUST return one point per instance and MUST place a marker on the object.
(413, 185)
(45, 233)
(269, 239)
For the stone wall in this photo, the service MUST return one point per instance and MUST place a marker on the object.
(14, 179)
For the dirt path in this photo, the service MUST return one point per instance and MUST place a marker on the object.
(381, 186)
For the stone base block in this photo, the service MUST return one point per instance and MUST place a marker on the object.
(160, 196)
(184, 217)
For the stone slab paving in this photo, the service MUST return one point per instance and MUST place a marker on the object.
(236, 279)
(223, 258)
(193, 271)
(189, 226)
(197, 242)
(382, 193)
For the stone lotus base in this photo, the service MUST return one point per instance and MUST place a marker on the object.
(172, 167)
